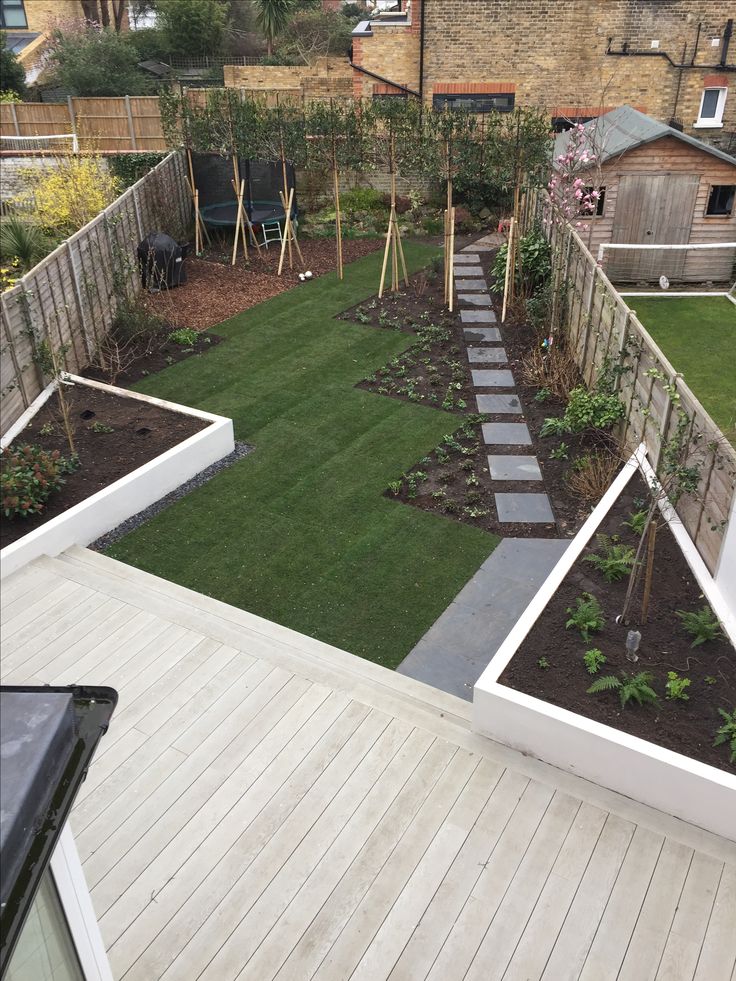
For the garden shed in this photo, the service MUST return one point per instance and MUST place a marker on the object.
(658, 186)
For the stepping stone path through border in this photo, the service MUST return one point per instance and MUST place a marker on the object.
(504, 437)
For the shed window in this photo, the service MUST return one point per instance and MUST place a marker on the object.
(720, 200)
(475, 101)
(12, 14)
(712, 104)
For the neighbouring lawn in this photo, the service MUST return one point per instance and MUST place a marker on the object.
(299, 532)
(698, 336)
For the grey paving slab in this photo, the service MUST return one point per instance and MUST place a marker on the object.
(469, 257)
(475, 299)
(478, 317)
(493, 378)
(481, 335)
(458, 647)
(482, 248)
(465, 270)
(506, 434)
(499, 404)
(530, 508)
(471, 284)
(487, 355)
(510, 466)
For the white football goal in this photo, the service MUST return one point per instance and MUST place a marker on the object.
(707, 269)
(59, 143)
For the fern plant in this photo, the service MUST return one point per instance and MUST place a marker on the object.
(637, 521)
(630, 687)
(616, 560)
(701, 624)
(587, 616)
(727, 732)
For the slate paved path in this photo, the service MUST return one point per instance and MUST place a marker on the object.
(458, 647)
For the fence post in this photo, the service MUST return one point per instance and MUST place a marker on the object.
(73, 122)
(78, 297)
(14, 114)
(131, 127)
(137, 207)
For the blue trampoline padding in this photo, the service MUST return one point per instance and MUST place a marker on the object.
(225, 215)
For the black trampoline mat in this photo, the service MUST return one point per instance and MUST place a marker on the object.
(226, 213)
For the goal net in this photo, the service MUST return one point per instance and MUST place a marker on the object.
(59, 143)
(658, 269)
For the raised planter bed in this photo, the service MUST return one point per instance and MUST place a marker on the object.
(153, 448)
(533, 695)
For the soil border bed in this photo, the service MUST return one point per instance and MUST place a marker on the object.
(676, 784)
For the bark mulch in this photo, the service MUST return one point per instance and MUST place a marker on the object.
(139, 432)
(685, 726)
(216, 291)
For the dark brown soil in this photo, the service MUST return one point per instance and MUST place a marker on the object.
(161, 357)
(216, 290)
(455, 481)
(140, 432)
(686, 727)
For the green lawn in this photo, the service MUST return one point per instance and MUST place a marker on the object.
(299, 532)
(698, 336)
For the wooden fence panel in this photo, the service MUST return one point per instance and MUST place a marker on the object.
(70, 298)
(603, 330)
(35, 119)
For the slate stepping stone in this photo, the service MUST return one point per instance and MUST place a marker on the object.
(483, 248)
(497, 404)
(506, 434)
(529, 508)
(463, 270)
(469, 257)
(493, 378)
(487, 355)
(481, 335)
(478, 317)
(475, 299)
(510, 467)
(471, 284)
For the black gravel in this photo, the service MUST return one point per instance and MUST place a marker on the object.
(135, 521)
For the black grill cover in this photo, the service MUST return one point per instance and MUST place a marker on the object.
(161, 261)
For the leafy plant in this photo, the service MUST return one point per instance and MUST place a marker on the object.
(48, 429)
(676, 686)
(185, 336)
(96, 63)
(616, 560)
(710, 680)
(594, 659)
(701, 624)
(586, 411)
(637, 521)
(542, 395)
(637, 687)
(727, 732)
(395, 487)
(74, 192)
(24, 241)
(100, 427)
(554, 427)
(587, 616)
(29, 475)
(543, 663)
(560, 453)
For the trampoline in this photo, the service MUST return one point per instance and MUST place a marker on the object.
(213, 176)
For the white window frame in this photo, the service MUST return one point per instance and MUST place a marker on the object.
(712, 122)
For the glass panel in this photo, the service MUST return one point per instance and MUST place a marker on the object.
(12, 14)
(710, 103)
(45, 951)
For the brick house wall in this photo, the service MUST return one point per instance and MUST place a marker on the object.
(326, 78)
(553, 53)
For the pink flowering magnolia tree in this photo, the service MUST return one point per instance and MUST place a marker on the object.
(569, 190)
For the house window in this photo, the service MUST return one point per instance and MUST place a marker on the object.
(600, 204)
(712, 104)
(12, 14)
(45, 950)
(721, 200)
(475, 102)
(388, 95)
(561, 124)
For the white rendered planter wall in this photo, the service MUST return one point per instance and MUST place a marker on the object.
(669, 781)
(117, 502)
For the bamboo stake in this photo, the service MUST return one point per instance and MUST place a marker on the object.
(197, 239)
(508, 265)
(649, 570)
(401, 253)
(200, 229)
(338, 226)
(452, 259)
(239, 224)
(288, 237)
(385, 260)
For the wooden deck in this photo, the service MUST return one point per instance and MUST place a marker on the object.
(264, 806)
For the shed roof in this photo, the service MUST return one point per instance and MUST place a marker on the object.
(625, 128)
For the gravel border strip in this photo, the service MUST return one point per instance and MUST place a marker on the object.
(198, 480)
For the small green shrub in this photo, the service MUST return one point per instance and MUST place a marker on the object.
(100, 427)
(676, 686)
(395, 487)
(637, 687)
(637, 521)
(542, 395)
(616, 560)
(587, 616)
(185, 336)
(362, 199)
(701, 624)
(727, 732)
(594, 659)
(561, 453)
(29, 476)
(543, 663)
